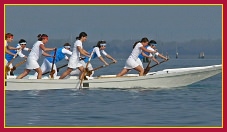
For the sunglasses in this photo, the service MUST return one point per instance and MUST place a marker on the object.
(22, 44)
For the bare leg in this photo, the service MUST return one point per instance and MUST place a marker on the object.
(39, 71)
(67, 72)
(81, 75)
(123, 72)
(25, 73)
(140, 70)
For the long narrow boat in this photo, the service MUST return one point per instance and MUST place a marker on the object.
(167, 78)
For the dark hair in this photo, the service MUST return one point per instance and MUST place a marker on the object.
(41, 36)
(82, 34)
(134, 45)
(67, 44)
(22, 41)
(144, 40)
(99, 43)
(152, 42)
(8, 35)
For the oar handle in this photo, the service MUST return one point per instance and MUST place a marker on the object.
(13, 57)
(159, 63)
(148, 69)
(85, 71)
(61, 67)
(52, 71)
(102, 66)
(18, 64)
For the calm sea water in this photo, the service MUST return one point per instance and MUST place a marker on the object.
(199, 104)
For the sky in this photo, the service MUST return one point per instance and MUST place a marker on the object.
(163, 22)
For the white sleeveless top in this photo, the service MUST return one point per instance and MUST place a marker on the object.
(76, 53)
(36, 51)
(136, 51)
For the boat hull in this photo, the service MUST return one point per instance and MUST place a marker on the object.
(167, 78)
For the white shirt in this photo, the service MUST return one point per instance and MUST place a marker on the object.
(36, 51)
(97, 51)
(20, 51)
(76, 53)
(65, 51)
(136, 51)
(149, 48)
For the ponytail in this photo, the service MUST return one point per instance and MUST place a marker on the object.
(134, 45)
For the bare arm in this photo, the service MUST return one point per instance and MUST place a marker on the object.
(110, 57)
(145, 55)
(45, 49)
(8, 52)
(155, 60)
(46, 54)
(82, 51)
(12, 48)
(163, 57)
(86, 52)
(103, 60)
(144, 49)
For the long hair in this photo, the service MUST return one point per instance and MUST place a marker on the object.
(134, 45)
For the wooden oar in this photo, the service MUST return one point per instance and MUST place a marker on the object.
(61, 67)
(102, 66)
(52, 68)
(57, 69)
(85, 71)
(90, 72)
(18, 64)
(148, 69)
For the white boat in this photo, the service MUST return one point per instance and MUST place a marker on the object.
(167, 78)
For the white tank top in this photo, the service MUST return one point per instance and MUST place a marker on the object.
(36, 51)
(136, 51)
(76, 53)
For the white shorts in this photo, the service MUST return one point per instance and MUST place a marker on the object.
(77, 71)
(74, 63)
(139, 62)
(46, 66)
(84, 65)
(32, 64)
(131, 63)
